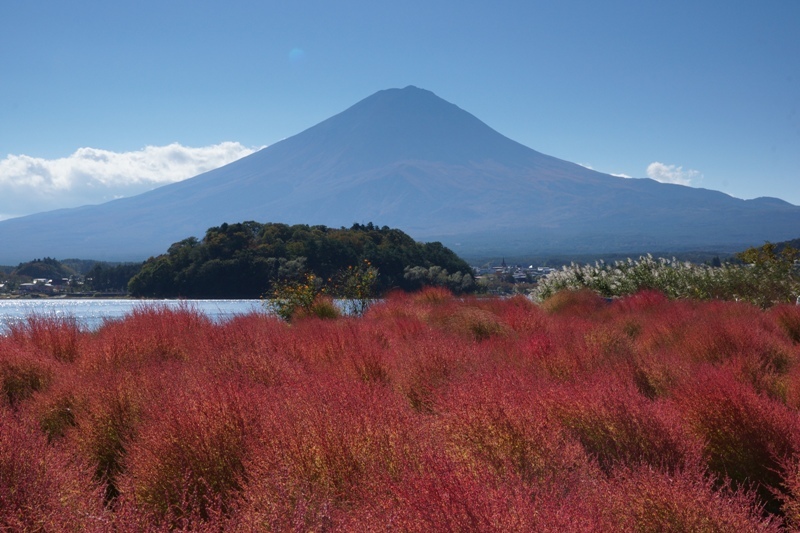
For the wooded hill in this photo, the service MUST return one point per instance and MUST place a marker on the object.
(244, 260)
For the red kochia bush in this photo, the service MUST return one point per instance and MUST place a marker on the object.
(253, 348)
(748, 437)
(644, 301)
(149, 335)
(324, 444)
(109, 419)
(187, 462)
(54, 336)
(502, 422)
(428, 413)
(788, 318)
(22, 372)
(644, 499)
(429, 363)
(445, 498)
(575, 303)
(41, 488)
(616, 424)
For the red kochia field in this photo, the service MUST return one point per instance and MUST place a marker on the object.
(430, 413)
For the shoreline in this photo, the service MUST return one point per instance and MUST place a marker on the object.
(77, 296)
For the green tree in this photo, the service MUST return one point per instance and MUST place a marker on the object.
(245, 260)
(357, 286)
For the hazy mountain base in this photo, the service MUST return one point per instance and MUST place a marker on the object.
(479, 249)
(560, 260)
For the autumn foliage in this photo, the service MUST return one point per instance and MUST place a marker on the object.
(427, 413)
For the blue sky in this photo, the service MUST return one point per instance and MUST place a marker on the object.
(105, 99)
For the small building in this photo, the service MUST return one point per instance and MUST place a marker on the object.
(38, 286)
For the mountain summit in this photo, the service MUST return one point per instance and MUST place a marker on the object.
(408, 159)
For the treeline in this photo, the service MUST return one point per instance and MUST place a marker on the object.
(244, 260)
(111, 277)
(44, 268)
(83, 274)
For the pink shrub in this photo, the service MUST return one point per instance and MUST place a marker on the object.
(251, 347)
(345, 347)
(149, 334)
(55, 411)
(656, 374)
(428, 413)
(720, 331)
(445, 497)
(368, 359)
(429, 363)
(41, 489)
(616, 424)
(53, 336)
(468, 321)
(644, 499)
(522, 315)
(788, 387)
(109, 415)
(665, 326)
(748, 437)
(563, 353)
(609, 342)
(396, 306)
(324, 444)
(22, 372)
(645, 301)
(502, 422)
(575, 303)
(790, 498)
(431, 295)
(788, 318)
(187, 461)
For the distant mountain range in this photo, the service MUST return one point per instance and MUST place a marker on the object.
(405, 158)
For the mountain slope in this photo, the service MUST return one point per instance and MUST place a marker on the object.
(406, 158)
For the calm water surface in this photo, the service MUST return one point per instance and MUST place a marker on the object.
(91, 313)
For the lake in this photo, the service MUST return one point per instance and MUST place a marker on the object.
(90, 313)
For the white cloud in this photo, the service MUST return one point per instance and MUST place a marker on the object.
(672, 174)
(617, 175)
(90, 175)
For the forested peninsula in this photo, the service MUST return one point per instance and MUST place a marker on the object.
(245, 260)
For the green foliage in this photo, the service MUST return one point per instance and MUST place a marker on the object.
(246, 260)
(322, 307)
(772, 255)
(767, 278)
(44, 268)
(106, 277)
(356, 286)
(99, 276)
(311, 296)
(81, 266)
(437, 276)
(289, 298)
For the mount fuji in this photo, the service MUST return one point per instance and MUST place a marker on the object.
(405, 158)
